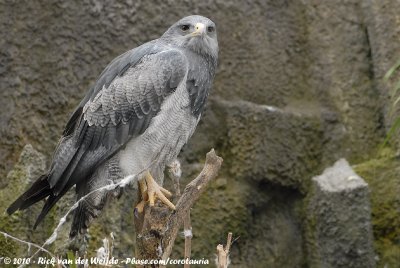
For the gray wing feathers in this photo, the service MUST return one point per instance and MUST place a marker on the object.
(138, 92)
(134, 98)
(117, 67)
(119, 111)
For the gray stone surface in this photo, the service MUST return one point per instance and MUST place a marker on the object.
(264, 143)
(340, 211)
(319, 63)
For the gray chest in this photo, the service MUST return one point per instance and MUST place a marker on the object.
(162, 141)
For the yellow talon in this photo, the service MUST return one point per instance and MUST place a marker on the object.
(150, 190)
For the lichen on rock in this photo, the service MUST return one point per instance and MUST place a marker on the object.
(382, 175)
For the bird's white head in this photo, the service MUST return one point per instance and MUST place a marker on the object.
(196, 33)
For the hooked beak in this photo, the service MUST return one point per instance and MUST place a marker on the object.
(199, 29)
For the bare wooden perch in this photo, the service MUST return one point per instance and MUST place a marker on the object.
(187, 227)
(223, 253)
(157, 227)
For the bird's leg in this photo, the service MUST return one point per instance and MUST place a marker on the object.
(175, 172)
(143, 192)
(156, 191)
(150, 190)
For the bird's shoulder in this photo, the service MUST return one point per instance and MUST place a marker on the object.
(159, 65)
(138, 91)
(153, 53)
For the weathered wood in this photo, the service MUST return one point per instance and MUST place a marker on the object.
(157, 227)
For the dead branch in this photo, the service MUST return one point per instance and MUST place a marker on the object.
(187, 230)
(157, 227)
(175, 172)
(223, 253)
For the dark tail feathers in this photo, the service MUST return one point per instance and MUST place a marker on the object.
(39, 190)
(81, 221)
(87, 211)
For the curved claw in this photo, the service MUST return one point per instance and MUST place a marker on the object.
(139, 207)
(156, 191)
(150, 191)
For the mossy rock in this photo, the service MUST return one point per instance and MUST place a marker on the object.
(383, 176)
(31, 164)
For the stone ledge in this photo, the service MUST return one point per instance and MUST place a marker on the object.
(339, 218)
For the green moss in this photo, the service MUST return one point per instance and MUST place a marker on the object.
(20, 223)
(8, 247)
(309, 220)
(96, 235)
(71, 257)
(8, 223)
(383, 176)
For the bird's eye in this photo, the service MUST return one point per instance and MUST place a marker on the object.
(185, 27)
(210, 29)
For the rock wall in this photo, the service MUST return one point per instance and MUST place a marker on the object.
(299, 85)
